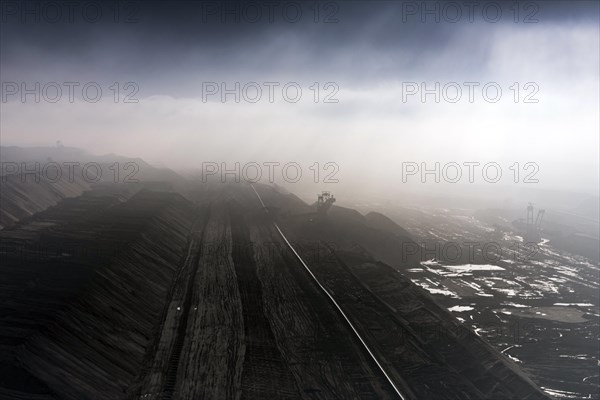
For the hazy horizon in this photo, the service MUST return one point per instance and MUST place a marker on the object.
(371, 54)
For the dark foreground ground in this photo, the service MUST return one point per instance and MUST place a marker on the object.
(143, 294)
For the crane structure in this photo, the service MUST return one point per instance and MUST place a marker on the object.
(532, 226)
(324, 202)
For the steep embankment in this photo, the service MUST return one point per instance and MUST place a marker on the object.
(78, 325)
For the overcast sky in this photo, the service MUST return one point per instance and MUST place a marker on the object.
(372, 54)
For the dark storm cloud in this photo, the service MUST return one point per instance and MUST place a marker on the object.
(168, 47)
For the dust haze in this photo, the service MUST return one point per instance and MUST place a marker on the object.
(370, 52)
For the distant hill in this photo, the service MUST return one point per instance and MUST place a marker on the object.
(23, 193)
